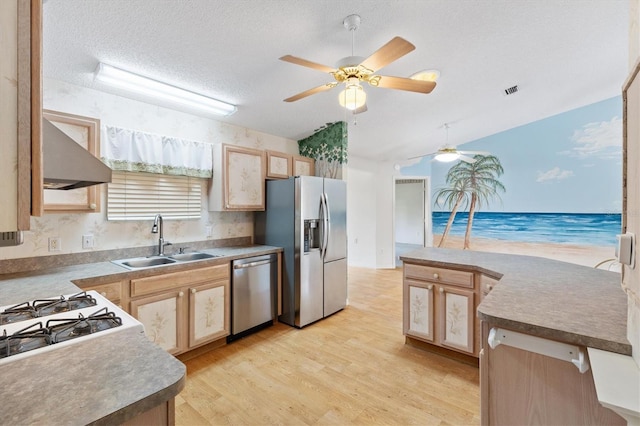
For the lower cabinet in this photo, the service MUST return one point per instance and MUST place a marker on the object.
(439, 314)
(183, 310)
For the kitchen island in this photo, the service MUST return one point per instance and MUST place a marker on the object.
(544, 299)
(117, 378)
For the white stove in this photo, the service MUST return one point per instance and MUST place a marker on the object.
(42, 325)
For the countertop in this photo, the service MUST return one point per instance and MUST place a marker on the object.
(543, 297)
(106, 380)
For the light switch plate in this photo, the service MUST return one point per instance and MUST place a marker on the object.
(87, 242)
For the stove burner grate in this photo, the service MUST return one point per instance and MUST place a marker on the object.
(27, 339)
(66, 329)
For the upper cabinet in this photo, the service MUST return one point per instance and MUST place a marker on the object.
(278, 165)
(20, 110)
(303, 166)
(238, 179)
(85, 131)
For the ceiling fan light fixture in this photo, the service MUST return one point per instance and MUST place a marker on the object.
(353, 97)
(447, 157)
(426, 75)
(164, 92)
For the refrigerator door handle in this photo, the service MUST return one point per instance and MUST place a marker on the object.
(327, 224)
(324, 227)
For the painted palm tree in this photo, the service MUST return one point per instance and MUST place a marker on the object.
(476, 184)
(454, 196)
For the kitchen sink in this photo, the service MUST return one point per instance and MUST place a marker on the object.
(155, 261)
(186, 257)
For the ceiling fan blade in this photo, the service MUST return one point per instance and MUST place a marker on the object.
(400, 83)
(475, 152)
(308, 64)
(395, 49)
(310, 92)
(360, 110)
(466, 159)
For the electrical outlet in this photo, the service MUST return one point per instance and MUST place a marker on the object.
(55, 244)
(87, 242)
(209, 231)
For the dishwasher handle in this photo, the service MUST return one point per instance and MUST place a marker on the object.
(252, 264)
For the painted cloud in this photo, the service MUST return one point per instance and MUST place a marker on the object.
(553, 174)
(603, 139)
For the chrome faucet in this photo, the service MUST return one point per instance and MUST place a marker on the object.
(157, 221)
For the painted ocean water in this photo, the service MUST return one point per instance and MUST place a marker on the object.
(569, 228)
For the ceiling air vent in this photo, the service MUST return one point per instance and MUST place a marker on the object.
(511, 90)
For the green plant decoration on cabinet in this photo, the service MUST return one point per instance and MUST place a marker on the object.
(328, 147)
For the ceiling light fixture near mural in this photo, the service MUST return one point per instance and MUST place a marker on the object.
(449, 153)
(164, 92)
(354, 70)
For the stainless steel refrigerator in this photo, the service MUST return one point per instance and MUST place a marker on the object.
(307, 216)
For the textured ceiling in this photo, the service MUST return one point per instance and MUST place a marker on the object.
(562, 54)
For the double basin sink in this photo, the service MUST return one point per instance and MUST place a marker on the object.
(154, 261)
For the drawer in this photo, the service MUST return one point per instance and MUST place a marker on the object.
(112, 291)
(439, 275)
(173, 280)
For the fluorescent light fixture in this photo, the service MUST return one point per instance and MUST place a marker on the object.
(162, 91)
(447, 157)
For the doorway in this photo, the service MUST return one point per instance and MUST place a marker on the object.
(412, 215)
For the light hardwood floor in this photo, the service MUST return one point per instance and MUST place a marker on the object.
(350, 368)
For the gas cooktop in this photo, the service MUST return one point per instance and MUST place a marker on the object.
(41, 325)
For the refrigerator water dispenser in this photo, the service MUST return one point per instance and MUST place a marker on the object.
(311, 235)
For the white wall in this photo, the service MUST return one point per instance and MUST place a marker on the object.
(361, 212)
(409, 214)
(126, 113)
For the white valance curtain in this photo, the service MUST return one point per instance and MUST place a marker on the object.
(134, 151)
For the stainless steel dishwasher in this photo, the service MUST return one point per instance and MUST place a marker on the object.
(253, 290)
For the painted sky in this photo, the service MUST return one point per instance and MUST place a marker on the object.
(570, 162)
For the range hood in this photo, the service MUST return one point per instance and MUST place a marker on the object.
(68, 165)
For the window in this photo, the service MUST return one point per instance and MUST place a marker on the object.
(140, 196)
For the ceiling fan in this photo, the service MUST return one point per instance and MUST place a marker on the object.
(449, 153)
(353, 70)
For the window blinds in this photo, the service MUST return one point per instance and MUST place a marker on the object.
(140, 196)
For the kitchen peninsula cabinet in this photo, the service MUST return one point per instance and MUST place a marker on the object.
(439, 306)
(522, 387)
(183, 310)
(238, 179)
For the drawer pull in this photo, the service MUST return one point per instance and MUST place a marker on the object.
(441, 290)
(181, 294)
(193, 291)
(436, 276)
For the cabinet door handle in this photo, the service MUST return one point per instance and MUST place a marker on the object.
(430, 286)
(181, 294)
(436, 276)
(441, 290)
(490, 287)
(193, 291)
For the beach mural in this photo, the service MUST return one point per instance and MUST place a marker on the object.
(551, 188)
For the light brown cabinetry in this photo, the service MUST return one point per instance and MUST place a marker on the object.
(278, 165)
(20, 111)
(303, 166)
(522, 387)
(439, 307)
(85, 131)
(183, 310)
(238, 179)
(112, 291)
